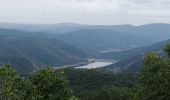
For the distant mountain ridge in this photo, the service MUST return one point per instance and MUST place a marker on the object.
(47, 28)
(69, 27)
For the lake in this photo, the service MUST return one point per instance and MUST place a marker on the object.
(96, 64)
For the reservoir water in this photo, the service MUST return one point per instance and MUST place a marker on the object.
(96, 64)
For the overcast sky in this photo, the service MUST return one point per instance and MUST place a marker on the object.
(134, 12)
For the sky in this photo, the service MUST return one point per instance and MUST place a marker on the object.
(105, 12)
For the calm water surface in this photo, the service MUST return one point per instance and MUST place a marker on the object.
(96, 64)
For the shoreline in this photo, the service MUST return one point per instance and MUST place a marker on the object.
(90, 61)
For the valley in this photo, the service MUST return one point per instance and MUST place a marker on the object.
(69, 45)
(84, 62)
(84, 49)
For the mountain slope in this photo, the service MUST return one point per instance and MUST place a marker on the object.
(132, 62)
(134, 52)
(34, 50)
(98, 40)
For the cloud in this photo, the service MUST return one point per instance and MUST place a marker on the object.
(85, 11)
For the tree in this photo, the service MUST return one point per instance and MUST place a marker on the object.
(167, 50)
(154, 78)
(41, 85)
(49, 86)
(111, 93)
(13, 87)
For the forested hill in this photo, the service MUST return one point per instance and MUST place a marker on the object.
(96, 40)
(26, 50)
(132, 60)
(107, 37)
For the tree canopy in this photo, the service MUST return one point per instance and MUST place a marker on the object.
(43, 84)
(154, 78)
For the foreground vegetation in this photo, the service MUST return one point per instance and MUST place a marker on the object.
(40, 85)
(152, 83)
(90, 84)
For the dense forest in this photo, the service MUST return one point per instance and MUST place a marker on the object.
(151, 83)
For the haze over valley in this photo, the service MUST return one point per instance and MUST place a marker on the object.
(84, 49)
(70, 44)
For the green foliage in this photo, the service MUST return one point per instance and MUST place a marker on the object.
(87, 83)
(41, 85)
(167, 49)
(49, 86)
(111, 93)
(13, 87)
(154, 78)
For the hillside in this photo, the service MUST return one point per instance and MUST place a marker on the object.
(31, 50)
(94, 40)
(132, 60)
(134, 52)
